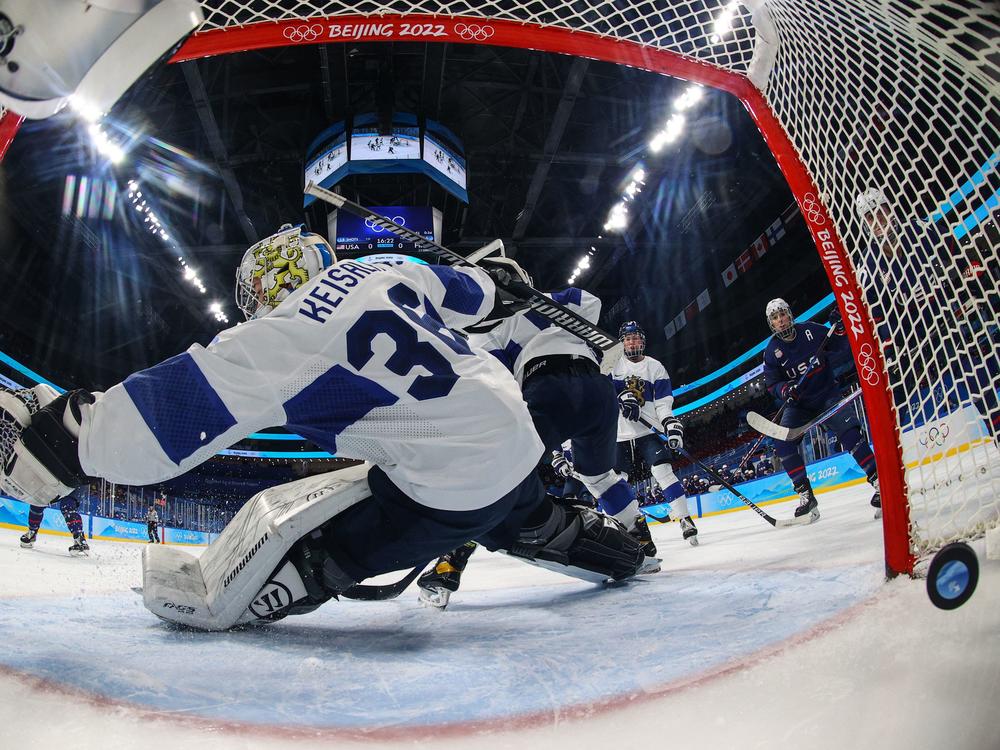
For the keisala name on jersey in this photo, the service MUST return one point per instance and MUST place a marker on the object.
(334, 284)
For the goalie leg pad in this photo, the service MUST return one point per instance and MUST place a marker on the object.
(582, 543)
(249, 573)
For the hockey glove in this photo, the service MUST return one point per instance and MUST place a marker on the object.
(629, 405)
(562, 466)
(40, 463)
(674, 431)
(790, 392)
(836, 322)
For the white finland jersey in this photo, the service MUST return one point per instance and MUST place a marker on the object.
(655, 385)
(527, 335)
(362, 362)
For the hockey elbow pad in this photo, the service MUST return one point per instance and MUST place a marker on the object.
(43, 464)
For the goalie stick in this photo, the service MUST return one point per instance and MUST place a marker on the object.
(767, 428)
(776, 523)
(374, 593)
(368, 592)
(546, 307)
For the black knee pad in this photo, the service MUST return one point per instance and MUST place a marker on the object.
(582, 539)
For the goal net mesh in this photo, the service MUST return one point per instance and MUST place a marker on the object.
(894, 99)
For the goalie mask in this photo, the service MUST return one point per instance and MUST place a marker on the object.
(780, 320)
(633, 340)
(278, 265)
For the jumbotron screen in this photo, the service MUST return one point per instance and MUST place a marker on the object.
(357, 237)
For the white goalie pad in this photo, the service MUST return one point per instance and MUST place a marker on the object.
(222, 587)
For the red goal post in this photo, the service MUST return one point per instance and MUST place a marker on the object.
(899, 95)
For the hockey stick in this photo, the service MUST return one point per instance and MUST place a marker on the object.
(770, 429)
(546, 307)
(370, 593)
(798, 521)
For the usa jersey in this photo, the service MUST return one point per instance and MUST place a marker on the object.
(787, 361)
(527, 335)
(361, 361)
(656, 390)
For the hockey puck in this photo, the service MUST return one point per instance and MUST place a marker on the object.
(952, 577)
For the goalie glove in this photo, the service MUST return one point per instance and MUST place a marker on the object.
(674, 430)
(561, 464)
(629, 405)
(38, 444)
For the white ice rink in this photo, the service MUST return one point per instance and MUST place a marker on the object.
(758, 638)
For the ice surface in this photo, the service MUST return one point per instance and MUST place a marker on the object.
(758, 638)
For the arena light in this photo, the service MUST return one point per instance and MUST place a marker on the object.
(670, 133)
(691, 96)
(111, 150)
(617, 218)
(724, 22)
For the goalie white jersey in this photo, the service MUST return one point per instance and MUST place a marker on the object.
(649, 378)
(360, 360)
(528, 335)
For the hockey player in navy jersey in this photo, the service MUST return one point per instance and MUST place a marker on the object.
(361, 359)
(934, 302)
(568, 399)
(795, 351)
(643, 388)
(70, 509)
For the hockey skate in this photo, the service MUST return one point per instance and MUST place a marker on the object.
(689, 530)
(436, 586)
(28, 538)
(80, 546)
(876, 498)
(640, 532)
(808, 507)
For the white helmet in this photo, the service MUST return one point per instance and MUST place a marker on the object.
(868, 200)
(276, 266)
(774, 307)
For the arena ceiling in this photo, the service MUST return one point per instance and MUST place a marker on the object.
(218, 146)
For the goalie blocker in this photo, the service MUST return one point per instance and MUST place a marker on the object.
(272, 560)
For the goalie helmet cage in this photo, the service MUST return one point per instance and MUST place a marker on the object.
(899, 95)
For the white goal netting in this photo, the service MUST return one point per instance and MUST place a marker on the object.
(895, 100)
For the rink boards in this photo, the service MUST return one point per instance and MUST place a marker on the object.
(14, 515)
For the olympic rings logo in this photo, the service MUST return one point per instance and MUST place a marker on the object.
(867, 365)
(303, 33)
(936, 435)
(378, 228)
(474, 31)
(813, 210)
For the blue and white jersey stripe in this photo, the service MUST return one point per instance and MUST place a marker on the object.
(527, 335)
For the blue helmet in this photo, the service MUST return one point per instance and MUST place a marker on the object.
(636, 347)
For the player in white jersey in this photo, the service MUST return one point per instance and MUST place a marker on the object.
(568, 398)
(360, 359)
(643, 388)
